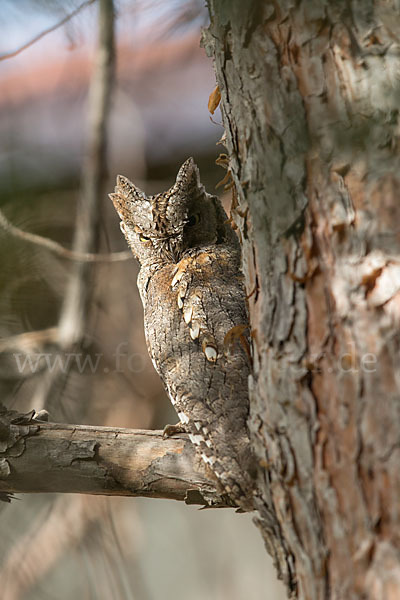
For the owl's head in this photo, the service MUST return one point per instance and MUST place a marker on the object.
(163, 227)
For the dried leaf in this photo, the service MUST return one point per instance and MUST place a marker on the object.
(214, 100)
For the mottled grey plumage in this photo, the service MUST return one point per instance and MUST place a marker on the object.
(195, 316)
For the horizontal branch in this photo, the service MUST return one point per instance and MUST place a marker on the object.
(51, 457)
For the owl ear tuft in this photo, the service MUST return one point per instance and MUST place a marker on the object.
(188, 178)
(128, 190)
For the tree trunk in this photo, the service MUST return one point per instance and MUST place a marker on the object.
(310, 95)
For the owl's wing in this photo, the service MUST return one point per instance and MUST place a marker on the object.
(191, 301)
(195, 325)
(209, 311)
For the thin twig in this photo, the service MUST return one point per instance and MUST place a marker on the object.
(46, 31)
(57, 248)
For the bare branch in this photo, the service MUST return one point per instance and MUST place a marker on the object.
(58, 249)
(51, 457)
(46, 31)
(29, 340)
(47, 536)
(76, 302)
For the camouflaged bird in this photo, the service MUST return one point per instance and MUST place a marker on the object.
(195, 318)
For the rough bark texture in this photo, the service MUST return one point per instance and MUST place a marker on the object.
(51, 457)
(310, 95)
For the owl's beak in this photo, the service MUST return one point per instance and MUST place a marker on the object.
(175, 254)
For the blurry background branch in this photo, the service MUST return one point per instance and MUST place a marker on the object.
(29, 341)
(73, 318)
(46, 31)
(37, 551)
(57, 248)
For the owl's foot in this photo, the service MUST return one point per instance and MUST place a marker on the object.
(41, 415)
(170, 430)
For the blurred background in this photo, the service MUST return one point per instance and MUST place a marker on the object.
(71, 331)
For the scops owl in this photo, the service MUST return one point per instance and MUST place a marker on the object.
(195, 317)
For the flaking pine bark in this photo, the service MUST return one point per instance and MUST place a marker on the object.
(309, 99)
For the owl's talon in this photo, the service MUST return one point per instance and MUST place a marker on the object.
(41, 415)
(170, 430)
